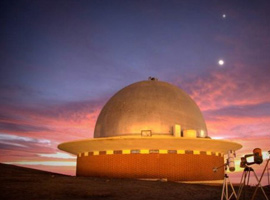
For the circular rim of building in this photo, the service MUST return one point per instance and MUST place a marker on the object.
(166, 143)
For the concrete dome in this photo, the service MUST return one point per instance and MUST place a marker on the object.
(148, 105)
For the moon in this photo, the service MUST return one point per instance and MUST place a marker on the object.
(221, 62)
(224, 15)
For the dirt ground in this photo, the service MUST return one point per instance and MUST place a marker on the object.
(23, 183)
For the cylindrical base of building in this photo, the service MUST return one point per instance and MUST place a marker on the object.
(173, 167)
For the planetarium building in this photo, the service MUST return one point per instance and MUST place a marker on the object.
(150, 129)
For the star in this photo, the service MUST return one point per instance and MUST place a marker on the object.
(224, 16)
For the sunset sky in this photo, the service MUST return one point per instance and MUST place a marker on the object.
(60, 61)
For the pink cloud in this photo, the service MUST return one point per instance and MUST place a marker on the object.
(31, 135)
(59, 120)
(227, 87)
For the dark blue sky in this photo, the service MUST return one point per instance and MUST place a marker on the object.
(63, 50)
(60, 61)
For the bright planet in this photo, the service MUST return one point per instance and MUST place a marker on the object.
(221, 62)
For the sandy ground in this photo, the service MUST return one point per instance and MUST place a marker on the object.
(24, 183)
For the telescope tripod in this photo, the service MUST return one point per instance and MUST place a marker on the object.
(259, 181)
(225, 192)
(245, 182)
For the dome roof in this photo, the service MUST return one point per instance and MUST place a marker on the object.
(148, 105)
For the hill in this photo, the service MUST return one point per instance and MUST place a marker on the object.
(24, 183)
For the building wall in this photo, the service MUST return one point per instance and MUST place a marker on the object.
(187, 166)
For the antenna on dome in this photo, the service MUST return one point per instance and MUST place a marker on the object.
(150, 78)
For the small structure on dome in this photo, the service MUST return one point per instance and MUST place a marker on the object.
(150, 129)
(150, 78)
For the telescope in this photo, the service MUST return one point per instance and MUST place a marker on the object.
(229, 162)
(257, 158)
